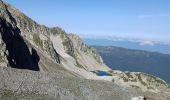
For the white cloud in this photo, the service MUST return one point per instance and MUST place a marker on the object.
(154, 15)
(150, 43)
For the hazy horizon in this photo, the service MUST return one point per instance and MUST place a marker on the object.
(124, 18)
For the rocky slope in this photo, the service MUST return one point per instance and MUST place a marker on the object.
(60, 65)
(41, 46)
(23, 84)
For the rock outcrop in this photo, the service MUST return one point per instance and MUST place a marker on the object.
(22, 36)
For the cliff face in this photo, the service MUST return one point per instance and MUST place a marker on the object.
(26, 45)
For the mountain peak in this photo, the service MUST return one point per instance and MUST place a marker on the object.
(41, 38)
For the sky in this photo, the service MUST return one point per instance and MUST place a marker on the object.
(148, 19)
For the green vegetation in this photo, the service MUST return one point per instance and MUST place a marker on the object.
(134, 86)
(109, 74)
(157, 80)
(140, 79)
(57, 30)
(110, 71)
(26, 22)
(124, 79)
(12, 95)
(1, 60)
(151, 88)
(168, 85)
(127, 59)
(134, 80)
(65, 42)
(93, 51)
(129, 75)
(79, 65)
(68, 46)
(37, 40)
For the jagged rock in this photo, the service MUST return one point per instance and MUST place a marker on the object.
(34, 34)
(38, 37)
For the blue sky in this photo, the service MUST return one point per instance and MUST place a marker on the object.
(126, 18)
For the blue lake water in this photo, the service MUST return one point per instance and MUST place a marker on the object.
(102, 73)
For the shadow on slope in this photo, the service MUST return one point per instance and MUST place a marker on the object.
(18, 54)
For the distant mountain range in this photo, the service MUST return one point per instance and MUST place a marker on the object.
(131, 44)
(136, 60)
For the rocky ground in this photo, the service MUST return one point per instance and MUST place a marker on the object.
(24, 84)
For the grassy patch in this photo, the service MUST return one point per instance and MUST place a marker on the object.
(157, 80)
(65, 43)
(129, 75)
(133, 80)
(11, 95)
(1, 60)
(110, 71)
(78, 64)
(151, 88)
(38, 41)
(125, 79)
(134, 86)
(140, 79)
(57, 30)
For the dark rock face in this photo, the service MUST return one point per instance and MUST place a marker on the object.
(17, 51)
(39, 37)
(54, 55)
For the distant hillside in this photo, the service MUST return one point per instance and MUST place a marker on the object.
(135, 44)
(136, 60)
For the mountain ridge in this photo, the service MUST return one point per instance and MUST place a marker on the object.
(146, 45)
(135, 60)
